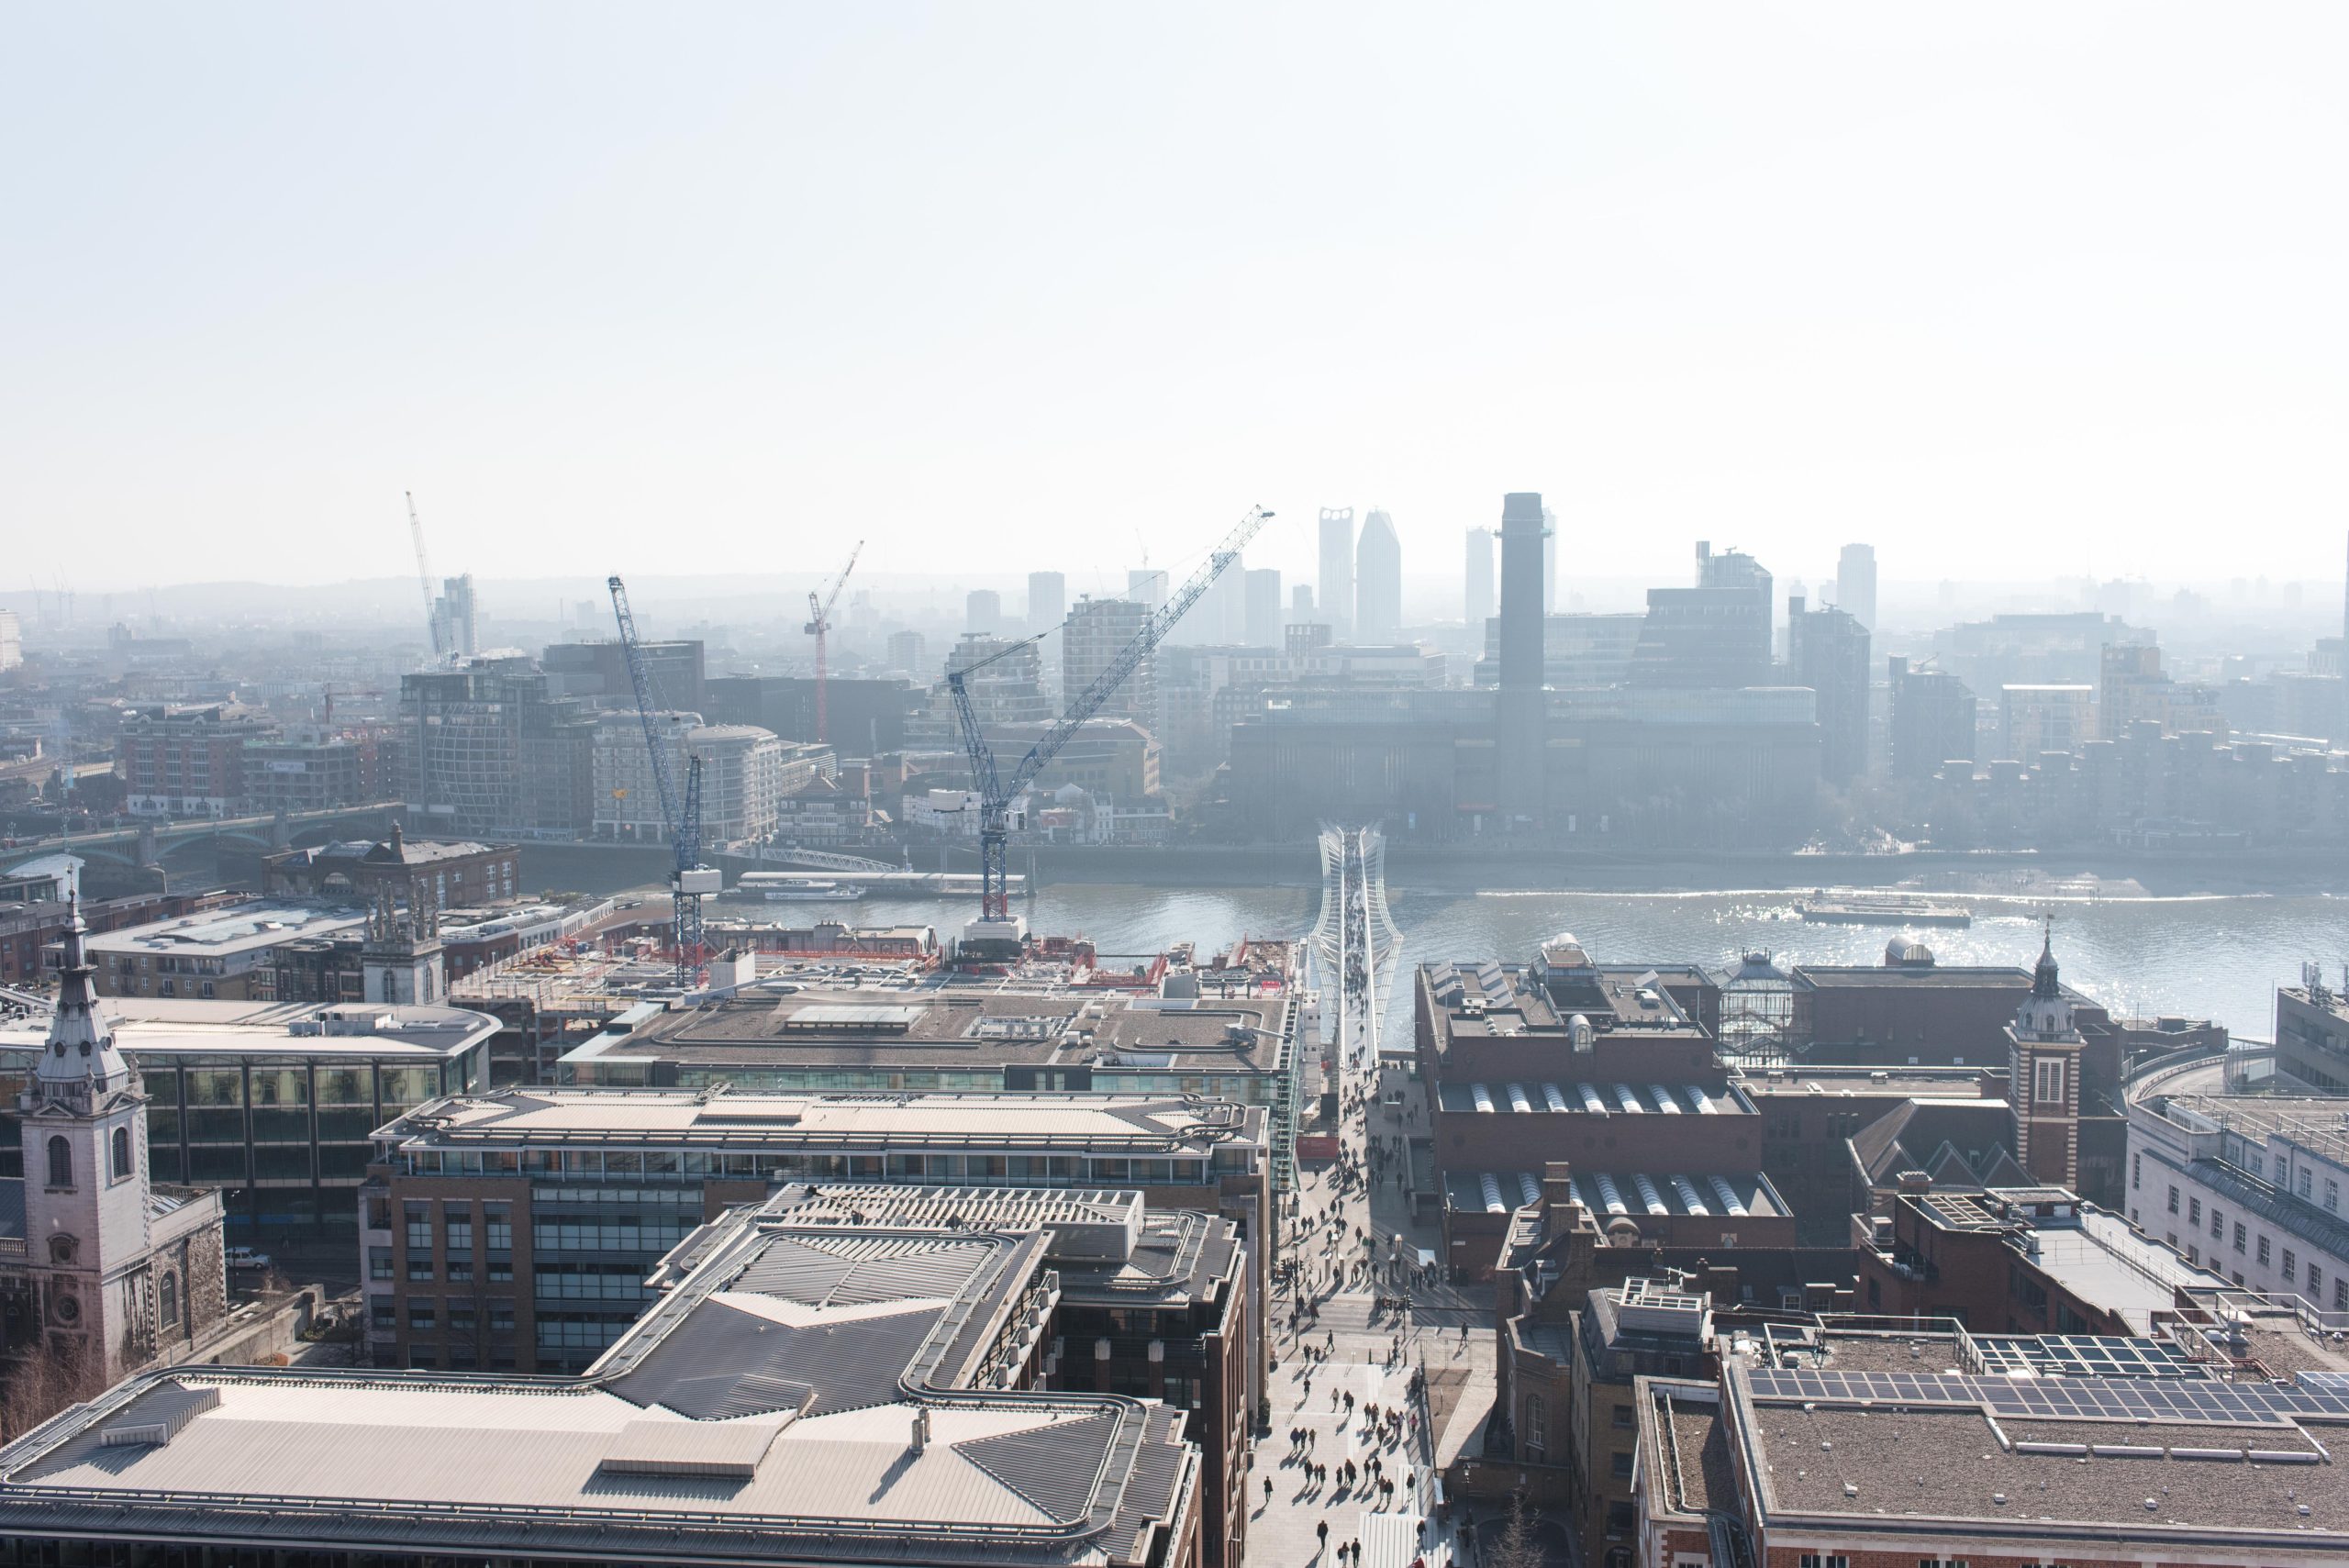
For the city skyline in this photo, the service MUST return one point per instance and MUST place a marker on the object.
(1610, 255)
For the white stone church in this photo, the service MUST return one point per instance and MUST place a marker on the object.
(112, 1265)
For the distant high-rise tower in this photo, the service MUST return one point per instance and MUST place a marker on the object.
(1827, 652)
(1220, 616)
(1047, 600)
(459, 631)
(1337, 586)
(1300, 602)
(1521, 713)
(1146, 588)
(1855, 584)
(1480, 581)
(982, 610)
(909, 654)
(1378, 580)
(1099, 630)
(1261, 621)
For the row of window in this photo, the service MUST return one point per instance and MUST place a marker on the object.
(122, 1161)
(597, 1165)
(424, 1316)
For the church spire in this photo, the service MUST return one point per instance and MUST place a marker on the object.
(2044, 986)
(80, 1054)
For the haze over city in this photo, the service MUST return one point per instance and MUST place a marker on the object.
(883, 787)
(2047, 292)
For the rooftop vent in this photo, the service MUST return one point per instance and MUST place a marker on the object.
(729, 1449)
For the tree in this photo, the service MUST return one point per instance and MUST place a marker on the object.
(48, 1378)
(1515, 1547)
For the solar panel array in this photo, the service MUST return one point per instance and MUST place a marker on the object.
(2084, 1355)
(2063, 1399)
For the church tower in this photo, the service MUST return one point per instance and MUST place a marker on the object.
(401, 959)
(83, 1128)
(2043, 1050)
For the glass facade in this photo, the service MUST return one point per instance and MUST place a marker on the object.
(288, 1135)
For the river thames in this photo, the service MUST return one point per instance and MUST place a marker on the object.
(2218, 957)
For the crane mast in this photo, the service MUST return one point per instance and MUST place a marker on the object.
(689, 880)
(424, 580)
(994, 930)
(819, 622)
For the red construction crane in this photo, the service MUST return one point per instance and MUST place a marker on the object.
(819, 621)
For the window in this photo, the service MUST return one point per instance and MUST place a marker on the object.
(2332, 1195)
(2218, 1226)
(2136, 1170)
(419, 1265)
(2302, 1184)
(379, 1262)
(2263, 1251)
(501, 1270)
(1622, 1415)
(419, 1227)
(1537, 1428)
(2173, 1200)
(169, 1300)
(1825, 1560)
(61, 1248)
(2291, 1266)
(1941, 1562)
(61, 1162)
(497, 1223)
(380, 1312)
(459, 1273)
(2316, 1284)
(2238, 1235)
(1619, 1464)
(460, 1228)
(461, 1317)
(2047, 1080)
(122, 1141)
(2194, 1211)
(2341, 1292)
(501, 1317)
(420, 1317)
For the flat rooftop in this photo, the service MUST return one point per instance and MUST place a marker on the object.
(1486, 996)
(156, 1028)
(926, 1026)
(521, 1117)
(806, 1392)
(229, 930)
(2155, 1459)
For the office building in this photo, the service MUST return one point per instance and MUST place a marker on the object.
(1047, 600)
(1577, 650)
(1146, 588)
(1099, 631)
(310, 769)
(1482, 601)
(445, 874)
(1716, 634)
(229, 953)
(271, 1104)
(822, 1392)
(745, 771)
(489, 750)
(1009, 689)
(1837, 1447)
(1378, 580)
(1932, 721)
(1337, 586)
(597, 674)
(643, 1168)
(867, 717)
(2036, 719)
(186, 761)
(1261, 619)
(1300, 603)
(1855, 585)
(456, 630)
(1827, 650)
(2248, 1185)
(909, 654)
(11, 642)
(982, 612)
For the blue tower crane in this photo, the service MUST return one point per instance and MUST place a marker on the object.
(689, 880)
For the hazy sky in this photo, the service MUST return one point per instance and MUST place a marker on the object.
(997, 286)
